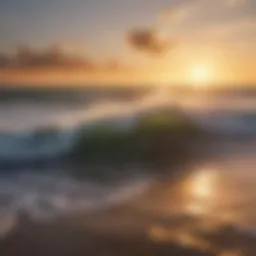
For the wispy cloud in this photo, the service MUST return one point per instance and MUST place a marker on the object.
(149, 40)
(55, 57)
(51, 57)
(217, 19)
(156, 39)
(236, 3)
(177, 11)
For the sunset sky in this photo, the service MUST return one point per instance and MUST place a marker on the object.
(135, 41)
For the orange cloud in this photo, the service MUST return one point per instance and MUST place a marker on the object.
(148, 40)
(55, 58)
(51, 57)
(53, 64)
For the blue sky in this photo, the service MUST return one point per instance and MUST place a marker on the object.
(99, 23)
(92, 22)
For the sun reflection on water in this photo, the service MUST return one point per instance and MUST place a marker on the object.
(202, 191)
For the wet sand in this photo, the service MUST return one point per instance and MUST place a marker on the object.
(113, 232)
(126, 230)
(145, 225)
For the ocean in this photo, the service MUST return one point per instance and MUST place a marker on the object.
(37, 132)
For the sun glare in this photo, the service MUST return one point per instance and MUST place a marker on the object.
(200, 75)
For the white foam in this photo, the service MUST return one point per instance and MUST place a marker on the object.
(44, 197)
(19, 142)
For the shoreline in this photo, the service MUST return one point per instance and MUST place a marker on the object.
(122, 230)
(130, 228)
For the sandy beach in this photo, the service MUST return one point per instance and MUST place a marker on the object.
(147, 224)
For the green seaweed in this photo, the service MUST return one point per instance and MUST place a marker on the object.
(158, 140)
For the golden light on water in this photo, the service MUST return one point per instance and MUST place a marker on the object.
(202, 190)
(203, 184)
(230, 253)
(183, 237)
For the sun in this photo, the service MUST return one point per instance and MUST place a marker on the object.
(200, 75)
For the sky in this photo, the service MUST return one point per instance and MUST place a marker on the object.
(135, 41)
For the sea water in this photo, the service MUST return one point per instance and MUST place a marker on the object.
(39, 126)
